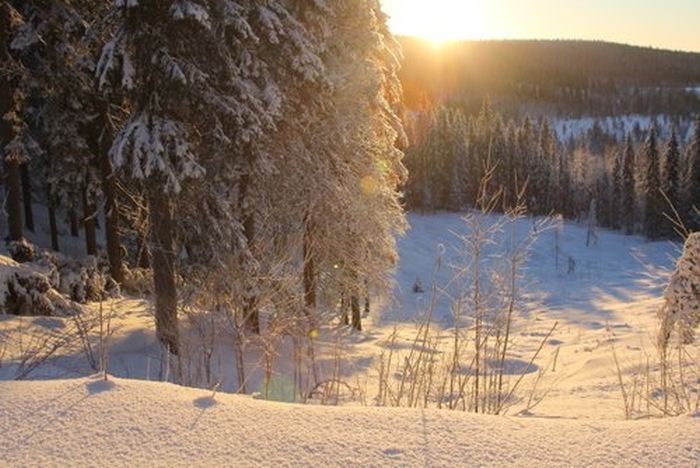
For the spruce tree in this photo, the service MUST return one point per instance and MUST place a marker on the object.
(617, 190)
(670, 181)
(691, 180)
(13, 137)
(165, 57)
(543, 173)
(525, 157)
(654, 206)
(628, 194)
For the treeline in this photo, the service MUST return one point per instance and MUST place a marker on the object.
(557, 77)
(248, 153)
(650, 186)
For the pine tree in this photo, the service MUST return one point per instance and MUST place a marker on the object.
(564, 188)
(513, 174)
(691, 180)
(671, 180)
(617, 191)
(367, 141)
(628, 194)
(542, 174)
(525, 156)
(418, 161)
(160, 48)
(13, 137)
(460, 176)
(654, 206)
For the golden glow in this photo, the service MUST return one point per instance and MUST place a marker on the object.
(369, 185)
(439, 21)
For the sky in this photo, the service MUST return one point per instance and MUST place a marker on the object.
(668, 24)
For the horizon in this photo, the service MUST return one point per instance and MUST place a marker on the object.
(671, 28)
(448, 42)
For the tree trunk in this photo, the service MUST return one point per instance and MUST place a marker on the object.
(309, 270)
(143, 255)
(27, 197)
(7, 134)
(355, 311)
(89, 213)
(74, 225)
(53, 225)
(356, 316)
(367, 308)
(344, 316)
(251, 315)
(111, 208)
(14, 200)
(162, 249)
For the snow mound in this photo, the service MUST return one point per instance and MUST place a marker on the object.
(88, 422)
(26, 289)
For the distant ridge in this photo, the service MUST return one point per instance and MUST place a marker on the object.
(561, 72)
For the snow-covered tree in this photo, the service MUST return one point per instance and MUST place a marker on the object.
(17, 144)
(169, 58)
(627, 203)
(654, 205)
(670, 178)
(356, 213)
(617, 190)
(681, 313)
(691, 179)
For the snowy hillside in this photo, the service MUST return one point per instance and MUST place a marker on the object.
(88, 422)
(603, 297)
(260, 233)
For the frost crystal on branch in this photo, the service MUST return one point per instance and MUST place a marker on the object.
(151, 143)
(682, 311)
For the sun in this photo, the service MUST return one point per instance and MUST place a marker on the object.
(439, 21)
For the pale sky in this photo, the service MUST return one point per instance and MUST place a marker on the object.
(669, 24)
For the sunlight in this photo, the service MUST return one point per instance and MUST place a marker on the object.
(440, 21)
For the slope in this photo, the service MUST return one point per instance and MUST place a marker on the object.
(87, 422)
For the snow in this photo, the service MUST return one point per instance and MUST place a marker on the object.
(126, 3)
(611, 298)
(619, 126)
(25, 38)
(683, 293)
(146, 139)
(183, 9)
(89, 422)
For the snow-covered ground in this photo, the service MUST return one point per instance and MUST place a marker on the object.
(85, 422)
(604, 298)
(621, 125)
(566, 128)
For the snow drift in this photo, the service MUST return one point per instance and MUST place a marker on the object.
(88, 422)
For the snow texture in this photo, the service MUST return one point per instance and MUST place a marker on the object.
(613, 293)
(184, 9)
(154, 144)
(90, 422)
(126, 3)
(26, 289)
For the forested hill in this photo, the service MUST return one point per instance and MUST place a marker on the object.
(566, 77)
